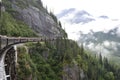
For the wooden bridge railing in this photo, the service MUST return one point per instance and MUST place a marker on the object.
(7, 41)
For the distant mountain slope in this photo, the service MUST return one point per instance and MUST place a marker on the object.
(75, 17)
(106, 43)
(82, 17)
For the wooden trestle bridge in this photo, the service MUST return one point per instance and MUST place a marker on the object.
(6, 43)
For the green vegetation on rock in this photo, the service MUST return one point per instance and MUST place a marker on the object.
(52, 59)
(11, 27)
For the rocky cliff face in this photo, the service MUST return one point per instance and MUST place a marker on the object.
(35, 16)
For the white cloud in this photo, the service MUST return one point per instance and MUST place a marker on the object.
(98, 25)
(107, 47)
(106, 43)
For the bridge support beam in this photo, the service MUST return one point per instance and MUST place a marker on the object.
(0, 43)
(7, 42)
(10, 68)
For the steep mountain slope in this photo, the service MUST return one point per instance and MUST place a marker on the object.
(62, 60)
(34, 15)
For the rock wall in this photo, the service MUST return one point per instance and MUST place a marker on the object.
(32, 13)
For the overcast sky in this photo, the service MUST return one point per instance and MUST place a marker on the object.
(95, 8)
